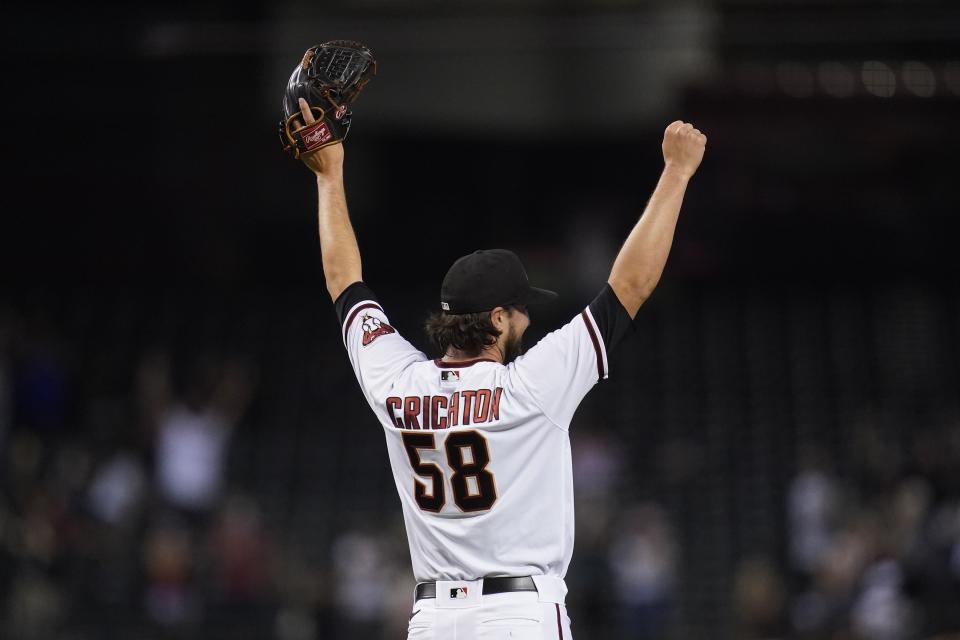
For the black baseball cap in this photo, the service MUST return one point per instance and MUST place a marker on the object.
(489, 278)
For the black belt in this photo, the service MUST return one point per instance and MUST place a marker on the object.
(490, 586)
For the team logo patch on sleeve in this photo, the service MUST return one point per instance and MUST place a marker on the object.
(373, 328)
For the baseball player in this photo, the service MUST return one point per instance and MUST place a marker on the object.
(478, 438)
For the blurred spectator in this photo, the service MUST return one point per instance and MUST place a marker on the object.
(881, 612)
(939, 567)
(238, 583)
(909, 509)
(397, 576)
(759, 595)
(812, 505)
(193, 430)
(824, 606)
(171, 598)
(240, 552)
(592, 591)
(191, 453)
(304, 597)
(596, 464)
(643, 558)
(35, 607)
(117, 488)
(361, 590)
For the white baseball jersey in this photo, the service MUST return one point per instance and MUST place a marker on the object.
(480, 451)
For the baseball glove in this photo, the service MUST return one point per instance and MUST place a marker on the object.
(329, 78)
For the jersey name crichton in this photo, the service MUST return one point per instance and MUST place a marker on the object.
(439, 412)
(480, 451)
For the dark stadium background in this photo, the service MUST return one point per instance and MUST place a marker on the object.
(775, 455)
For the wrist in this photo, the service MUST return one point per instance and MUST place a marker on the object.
(673, 171)
(329, 175)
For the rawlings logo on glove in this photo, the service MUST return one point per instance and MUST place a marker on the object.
(314, 136)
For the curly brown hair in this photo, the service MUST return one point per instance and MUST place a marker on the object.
(468, 332)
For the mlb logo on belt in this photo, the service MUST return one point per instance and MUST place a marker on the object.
(458, 594)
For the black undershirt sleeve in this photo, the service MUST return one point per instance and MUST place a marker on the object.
(357, 292)
(612, 319)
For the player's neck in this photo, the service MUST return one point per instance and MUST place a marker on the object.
(493, 352)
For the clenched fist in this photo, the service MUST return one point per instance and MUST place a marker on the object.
(683, 147)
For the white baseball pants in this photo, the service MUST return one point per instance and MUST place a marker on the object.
(460, 612)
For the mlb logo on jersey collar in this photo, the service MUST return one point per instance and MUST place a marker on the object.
(450, 377)
(459, 594)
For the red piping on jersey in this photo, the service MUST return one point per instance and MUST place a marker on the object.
(559, 627)
(596, 344)
(353, 314)
(451, 364)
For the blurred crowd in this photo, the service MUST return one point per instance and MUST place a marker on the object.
(122, 516)
(873, 544)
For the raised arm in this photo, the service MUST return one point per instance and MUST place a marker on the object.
(338, 244)
(639, 265)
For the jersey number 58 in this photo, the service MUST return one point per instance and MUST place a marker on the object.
(467, 455)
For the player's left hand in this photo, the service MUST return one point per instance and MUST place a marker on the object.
(683, 147)
(326, 161)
